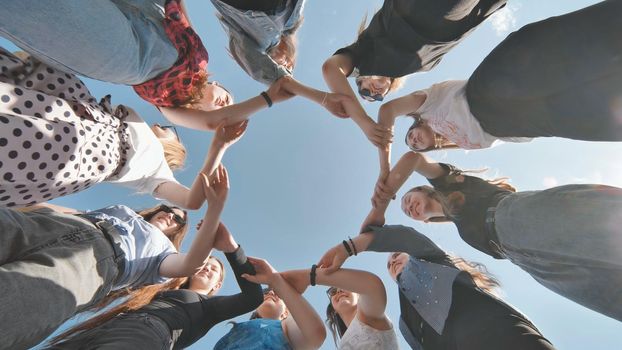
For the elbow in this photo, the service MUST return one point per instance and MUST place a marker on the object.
(328, 68)
(317, 336)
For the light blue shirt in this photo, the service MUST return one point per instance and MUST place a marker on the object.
(253, 33)
(144, 245)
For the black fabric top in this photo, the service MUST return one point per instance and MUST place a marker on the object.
(470, 198)
(408, 36)
(191, 315)
(466, 327)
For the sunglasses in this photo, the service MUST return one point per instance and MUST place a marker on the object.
(366, 94)
(332, 291)
(170, 127)
(176, 217)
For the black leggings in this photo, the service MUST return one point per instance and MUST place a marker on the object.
(255, 5)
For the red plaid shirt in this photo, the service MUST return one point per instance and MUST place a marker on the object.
(174, 87)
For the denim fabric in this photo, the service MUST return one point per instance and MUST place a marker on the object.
(428, 287)
(568, 239)
(120, 41)
(253, 33)
(52, 266)
(258, 334)
(137, 331)
(145, 246)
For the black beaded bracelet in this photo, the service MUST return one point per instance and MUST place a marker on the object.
(312, 275)
(347, 246)
(267, 98)
(353, 246)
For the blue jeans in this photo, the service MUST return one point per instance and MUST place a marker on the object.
(119, 41)
(52, 266)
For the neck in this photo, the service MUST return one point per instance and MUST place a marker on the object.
(437, 209)
(348, 316)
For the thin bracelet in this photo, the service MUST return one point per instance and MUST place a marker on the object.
(312, 275)
(324, 99)
(347, 246)
(353, 246)
(267, 98)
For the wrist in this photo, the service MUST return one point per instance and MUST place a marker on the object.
(266, 98)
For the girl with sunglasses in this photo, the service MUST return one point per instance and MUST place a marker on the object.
(148, 44)
(285, 320)
(55, 264)
(57, 140)
(164, 317)
(523, 89)
(565, 237)
(403, 37)
(446, 302)
(356, 310)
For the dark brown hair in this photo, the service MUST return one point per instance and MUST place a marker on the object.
(335, 324)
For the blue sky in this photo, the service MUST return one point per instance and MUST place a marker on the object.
(301, 179)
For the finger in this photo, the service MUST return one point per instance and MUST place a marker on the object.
(249, 278)
(225, 177)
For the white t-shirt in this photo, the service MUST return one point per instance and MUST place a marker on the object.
(360, 336)
(447, 112)
(146, 167)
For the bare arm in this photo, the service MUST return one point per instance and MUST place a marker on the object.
(305, 329)
(336, 70)
(57, 208)
(210, 120)
(387, 114)
(178, 194)
(384, 192)
(179, 265)
(333, 102)
(372, 295)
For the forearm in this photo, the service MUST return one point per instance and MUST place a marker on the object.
(308, 322)
(297, 88)
(386, 119)
(203, 242)
(210, 120)
(240, 265)
(397, 238)
(214, 156)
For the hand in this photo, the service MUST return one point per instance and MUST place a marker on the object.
(379, 135)
(224, 240)
(334, 103)
(332, 260)
(230, 134)
(216, 186)
(297, 279)
(278, 92)
(375, 218)
(264, 273)
(382, 193)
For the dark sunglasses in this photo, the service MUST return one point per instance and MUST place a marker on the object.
(176, 217)
(332, 291)
(366, 94)
(170, 127)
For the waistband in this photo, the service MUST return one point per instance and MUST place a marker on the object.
(113, 237)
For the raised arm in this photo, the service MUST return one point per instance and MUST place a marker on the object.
(387, 114)
(251, 296)
(193, 198)
(410, 162)
(181, 265)
(389, 238)
(372, 294)
(336, 70)
(304, 327)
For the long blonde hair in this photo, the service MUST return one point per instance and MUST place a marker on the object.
(136, 299)
(479, 273)
(174, 152)
(286, 49)
(440, 141)
(450, 203)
